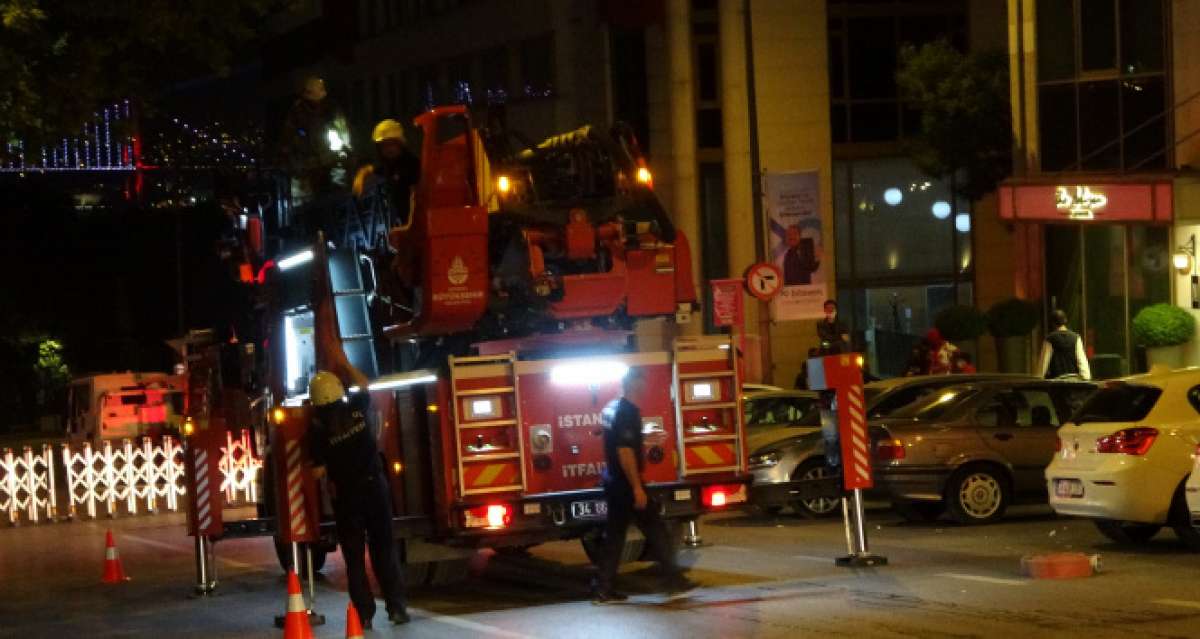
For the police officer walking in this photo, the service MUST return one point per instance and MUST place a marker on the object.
(626, 496)
(343, 446)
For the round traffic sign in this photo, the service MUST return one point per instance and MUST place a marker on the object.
(764, 280)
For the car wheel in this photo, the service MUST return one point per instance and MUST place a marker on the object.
(1180, 519)
(822, 506)
(977, 494)
(1126, 532)
(919, 511)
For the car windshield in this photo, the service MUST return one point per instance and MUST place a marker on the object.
(934, 405)
(779, 411)
(1118, 403)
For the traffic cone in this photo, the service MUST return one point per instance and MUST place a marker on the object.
(353, 625)
(113, 572)
(295, 624)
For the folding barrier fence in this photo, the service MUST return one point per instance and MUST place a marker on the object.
(116, 476)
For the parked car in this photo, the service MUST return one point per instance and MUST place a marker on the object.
(802, 456)
(1126, 456)
(972, 449)
(774, 415)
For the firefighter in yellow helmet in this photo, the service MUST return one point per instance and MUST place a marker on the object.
(343, 446)
(396, 169)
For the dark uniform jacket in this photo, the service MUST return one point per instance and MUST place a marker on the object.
(342, 440)
(622, 429)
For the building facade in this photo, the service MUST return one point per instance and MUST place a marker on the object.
(1103, 196)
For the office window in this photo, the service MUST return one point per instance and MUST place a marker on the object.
(1098, 112)
(537, 67)
(495, 74)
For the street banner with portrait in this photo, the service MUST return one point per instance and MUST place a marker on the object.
(792, 204)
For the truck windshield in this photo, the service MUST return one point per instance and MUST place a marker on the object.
(1118, 403)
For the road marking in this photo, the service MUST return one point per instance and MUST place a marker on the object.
(1177, 602)
(165, 546)
(824, 560)
(986, 580)
(467, 625)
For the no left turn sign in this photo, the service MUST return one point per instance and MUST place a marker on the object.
(764, 280)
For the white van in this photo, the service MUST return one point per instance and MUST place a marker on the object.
(121, 405)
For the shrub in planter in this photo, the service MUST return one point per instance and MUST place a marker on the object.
(1161, 325)
(960, 323)
(1012, 318)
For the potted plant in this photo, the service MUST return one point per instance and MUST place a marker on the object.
(1163, 329)
(960, 323)
(1010, 322)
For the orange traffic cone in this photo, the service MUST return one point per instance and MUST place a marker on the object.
(295, 624)
(353, 625)
(113, 572)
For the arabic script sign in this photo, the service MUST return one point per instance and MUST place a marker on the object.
(1080, 202)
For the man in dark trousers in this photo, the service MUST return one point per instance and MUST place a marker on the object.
(343, 447)
(626, 497)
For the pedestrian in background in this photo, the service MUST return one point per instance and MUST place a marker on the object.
(941, 353)
(626, 496)
(1063, 352)
(832, 332)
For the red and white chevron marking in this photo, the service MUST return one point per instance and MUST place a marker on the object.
(859, 462)
(203, 492)
(295, 490)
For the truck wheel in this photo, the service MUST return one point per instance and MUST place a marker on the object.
(977, 494)
(593, 545)
(447, 572)
(284, 553)
(821, 506)
(1180, 519)
(1126, 532)
(919, 511)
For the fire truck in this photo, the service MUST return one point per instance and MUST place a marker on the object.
(495, 323)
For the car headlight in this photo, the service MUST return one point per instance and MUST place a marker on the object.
(764, 460)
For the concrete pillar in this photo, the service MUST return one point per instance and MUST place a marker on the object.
(1022, 69)
(683, 204)
(791, 66)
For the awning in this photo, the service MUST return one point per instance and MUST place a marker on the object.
(1079, 199)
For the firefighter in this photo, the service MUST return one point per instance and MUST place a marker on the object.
(315, 141)
(343, 447)
(626, 496)
(397, 166)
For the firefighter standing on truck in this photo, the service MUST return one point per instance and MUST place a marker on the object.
(343, 447)
(626, 496)
(396, 165)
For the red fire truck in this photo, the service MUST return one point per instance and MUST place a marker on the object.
(495, 322)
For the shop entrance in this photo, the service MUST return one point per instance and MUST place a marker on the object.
(1101, 276)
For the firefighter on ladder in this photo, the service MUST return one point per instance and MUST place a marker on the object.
(626, 496)
(343, 447)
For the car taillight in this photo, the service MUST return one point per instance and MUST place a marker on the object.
(721, 495)
(492, 516)
(1130, 441)
(889, 450)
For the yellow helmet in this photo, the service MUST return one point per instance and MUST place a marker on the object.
(325, 388)
(388, 129)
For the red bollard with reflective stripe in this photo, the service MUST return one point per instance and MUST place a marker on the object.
(203, 473)
(843, 374)
(297, 501)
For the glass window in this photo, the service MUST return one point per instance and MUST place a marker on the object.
(1055, 40)
(874, 122)
(708, 128)
(902, 225)
(1143, 102)
(1150, 270)
(899, 398)
(872, 46)
(1104, 292)
(495, 74)
(1056, 124)
(841, 207)
(1099, 126)
(459, 73)
(778, 410)
(1141, 36)
(935, 405)
(1097, 35)
(837, 63)
(1119, 402)
(838, 124)
(537, 67)
(706, 71)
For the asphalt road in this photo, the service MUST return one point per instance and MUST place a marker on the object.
(761, 577)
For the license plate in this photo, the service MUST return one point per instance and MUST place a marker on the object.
(1070, 488)
(590, 509)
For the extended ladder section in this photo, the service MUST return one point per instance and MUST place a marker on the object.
(487, 416)
(708, 405)
(354, 320)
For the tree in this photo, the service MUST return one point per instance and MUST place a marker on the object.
(59, 60)
(966, 116)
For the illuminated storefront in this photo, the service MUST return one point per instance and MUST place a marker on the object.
(1099, 250)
